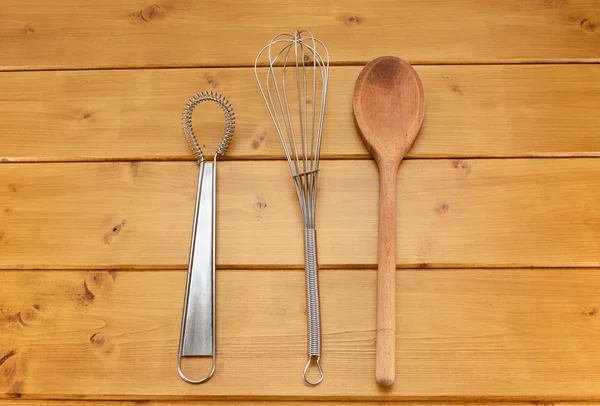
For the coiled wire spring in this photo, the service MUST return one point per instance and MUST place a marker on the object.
(312, 297)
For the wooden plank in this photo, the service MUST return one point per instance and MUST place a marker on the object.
(461, 334)
(497, 111)
(463, 213)
(130, 33)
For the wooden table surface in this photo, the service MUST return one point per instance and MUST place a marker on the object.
(498, 280)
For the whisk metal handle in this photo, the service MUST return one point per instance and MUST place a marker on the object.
(198, 323)
(311, 268)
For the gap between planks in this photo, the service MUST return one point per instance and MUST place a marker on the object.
(331, 64)
(28, 160)
(318, 402)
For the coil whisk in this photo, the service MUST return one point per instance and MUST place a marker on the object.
(198, 325)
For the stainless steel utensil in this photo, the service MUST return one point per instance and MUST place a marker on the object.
(297, 65)
(198, 335)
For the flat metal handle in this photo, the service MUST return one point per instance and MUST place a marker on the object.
(198, 322)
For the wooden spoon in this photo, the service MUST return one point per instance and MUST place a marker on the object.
(389, 105)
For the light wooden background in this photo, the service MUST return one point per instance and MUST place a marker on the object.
(498, 217)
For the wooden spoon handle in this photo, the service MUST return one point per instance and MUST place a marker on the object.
(385, 369)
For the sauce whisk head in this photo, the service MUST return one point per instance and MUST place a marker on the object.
(188, 130)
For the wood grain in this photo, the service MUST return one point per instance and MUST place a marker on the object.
(497, 111)
(467, 213)
(461, 334)
(130, 33)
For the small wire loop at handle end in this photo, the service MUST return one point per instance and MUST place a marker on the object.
(308, 363)
(194, 381)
